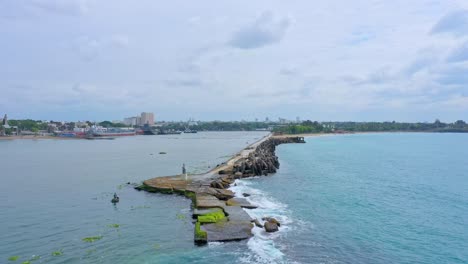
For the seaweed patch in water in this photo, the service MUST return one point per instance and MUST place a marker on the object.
(13, 258)
(57, 253)
(26, 262)
(181, 216)
(91, 239)
(114, 225)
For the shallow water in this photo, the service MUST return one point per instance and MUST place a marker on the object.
(373, 198)
(54, 193)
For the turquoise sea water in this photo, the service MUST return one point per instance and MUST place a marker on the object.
(373, 198)
(54, 193)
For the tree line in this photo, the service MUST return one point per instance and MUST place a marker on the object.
(333, 127)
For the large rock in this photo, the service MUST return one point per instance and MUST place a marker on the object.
(242, 202)
(271, 227)
(224, 194)
(271, 220)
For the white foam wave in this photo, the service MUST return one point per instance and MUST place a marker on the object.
(262, 244)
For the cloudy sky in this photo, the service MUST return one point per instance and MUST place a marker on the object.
(230, 60)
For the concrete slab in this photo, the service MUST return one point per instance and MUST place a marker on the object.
(228, 231)
(242, 202)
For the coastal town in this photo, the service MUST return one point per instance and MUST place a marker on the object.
(142, 124)
(145, 124)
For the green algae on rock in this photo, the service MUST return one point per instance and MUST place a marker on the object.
(200, 235)
(211, 217)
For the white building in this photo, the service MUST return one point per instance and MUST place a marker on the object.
(147, 118)
(144, 118)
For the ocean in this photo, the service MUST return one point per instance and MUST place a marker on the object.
(362, 198)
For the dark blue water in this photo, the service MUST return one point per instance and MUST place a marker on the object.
(373, 198)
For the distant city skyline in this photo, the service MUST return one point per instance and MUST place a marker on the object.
(320, 60)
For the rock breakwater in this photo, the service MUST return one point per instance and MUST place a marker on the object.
(211, 199)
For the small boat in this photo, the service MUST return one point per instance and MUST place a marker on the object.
(115, 199)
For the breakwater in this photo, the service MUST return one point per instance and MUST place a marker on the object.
(219, 214)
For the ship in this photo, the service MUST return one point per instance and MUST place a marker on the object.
(71, 134)
(109, 132)
(169, 132)
(148, 130)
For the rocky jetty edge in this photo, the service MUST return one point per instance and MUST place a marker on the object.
(219, 214)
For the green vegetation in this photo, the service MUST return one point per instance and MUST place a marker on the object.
(92, 239)
(304, 127)
(217, 126)
(110, 124)
(200, 235)
(340, 127)
(26, 262)
(13, 258)
(114, 225)
(211, 217)
(57, 253)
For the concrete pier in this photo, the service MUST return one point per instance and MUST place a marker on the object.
(220, 216)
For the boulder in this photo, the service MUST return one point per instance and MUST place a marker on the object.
(271, 227)
(245, 194)
(224, 194)
(271, 220)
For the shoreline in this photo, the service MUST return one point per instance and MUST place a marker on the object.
(29, 137)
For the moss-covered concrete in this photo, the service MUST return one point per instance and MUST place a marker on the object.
(201, 236)
(211, 217)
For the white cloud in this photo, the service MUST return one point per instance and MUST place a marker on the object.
(265, 30)
(364, 60)
(455, 22)
(91, 48)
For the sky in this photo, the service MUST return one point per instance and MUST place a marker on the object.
(360, 60)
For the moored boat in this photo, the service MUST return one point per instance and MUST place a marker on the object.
(110, 132)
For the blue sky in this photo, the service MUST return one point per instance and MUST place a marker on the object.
(322, 60)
